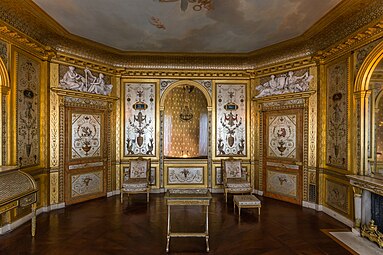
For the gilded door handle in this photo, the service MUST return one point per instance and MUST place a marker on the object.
(299, 163)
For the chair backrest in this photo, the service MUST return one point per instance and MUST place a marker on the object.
(232, 168)
(139, 168)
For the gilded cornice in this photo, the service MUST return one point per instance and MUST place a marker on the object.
(353, 42)
(35, 27)
(21, 40)
(185, 74)
(80, 62)
(290, 65)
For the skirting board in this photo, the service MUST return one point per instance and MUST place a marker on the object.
(11, 226)
(337, 216)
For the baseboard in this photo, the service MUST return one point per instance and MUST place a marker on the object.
(338, 216)
(258, 192)
(11, 226)
(113, 193)
(216, 190)
(157, 191)
(311, 205)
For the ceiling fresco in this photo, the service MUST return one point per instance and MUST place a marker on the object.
(204, 26)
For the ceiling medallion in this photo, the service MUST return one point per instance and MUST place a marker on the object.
(197, 4)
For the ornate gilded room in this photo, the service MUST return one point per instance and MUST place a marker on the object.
(191, 127)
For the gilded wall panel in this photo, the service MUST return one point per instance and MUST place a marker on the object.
(54, 188)
(140, 119)
(185, 175)
(282, 183)
(86, 184)
(4, 129)
(337, 99)
(54, 118)
(86, 135)
(28, 111)
(231, 120)
(337, 195)
(312, 122)
(282, 136)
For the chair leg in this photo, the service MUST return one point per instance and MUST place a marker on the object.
(147, 196)
(226, 197)
(122, 197)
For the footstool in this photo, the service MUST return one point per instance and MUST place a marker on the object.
(246, 201)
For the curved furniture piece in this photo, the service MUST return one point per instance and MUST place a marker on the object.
(18, 189)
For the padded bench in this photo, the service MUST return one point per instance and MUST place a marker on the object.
(246, 201)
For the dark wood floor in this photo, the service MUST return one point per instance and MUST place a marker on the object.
(104, 226)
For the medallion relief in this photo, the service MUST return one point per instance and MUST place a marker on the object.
(291, 82)
(231, 120)
(140, 110)
(84, 82)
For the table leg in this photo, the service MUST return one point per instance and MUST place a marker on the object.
(168, 231)
(33, 219)
(207, 229)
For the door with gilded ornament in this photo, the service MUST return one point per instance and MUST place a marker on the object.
(283, 154)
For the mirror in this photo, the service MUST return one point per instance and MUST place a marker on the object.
(376, 110)
(185, 123)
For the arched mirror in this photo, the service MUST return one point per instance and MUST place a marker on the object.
(376, 86)
(185, 123)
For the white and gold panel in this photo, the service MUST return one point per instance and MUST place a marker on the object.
(28, 111)
(282, 183)
(186, 176)
(337, 110)
(282, 136)
(337, 195)
(140, 119)
(87, 183)
(86, 135)
(231, 120)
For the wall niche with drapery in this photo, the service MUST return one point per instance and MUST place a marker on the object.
(185, 123)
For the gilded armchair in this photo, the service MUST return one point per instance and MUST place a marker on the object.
(135, 179)
(235, 179)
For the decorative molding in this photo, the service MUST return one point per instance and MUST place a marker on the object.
(26, 42)
(289, 65)
(367, 183)
(186, 74)
(366, 36)
(84, 95)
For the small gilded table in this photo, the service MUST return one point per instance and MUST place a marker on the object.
(188, 197)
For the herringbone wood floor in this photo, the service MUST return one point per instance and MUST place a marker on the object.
(104, 226)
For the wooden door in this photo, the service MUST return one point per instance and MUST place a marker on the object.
(85, 154)
(283, 154)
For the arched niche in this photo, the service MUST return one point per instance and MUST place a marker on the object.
(5, 88)
(368, 108)
(185, 107)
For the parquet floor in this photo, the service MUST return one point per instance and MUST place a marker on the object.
(104, 226)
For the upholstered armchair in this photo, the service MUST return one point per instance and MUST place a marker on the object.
(136, 178)
(235, 179)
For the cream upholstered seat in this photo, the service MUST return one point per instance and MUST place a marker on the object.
(136, 178)
(235, 179)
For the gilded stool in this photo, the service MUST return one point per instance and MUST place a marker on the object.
(246, 201)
